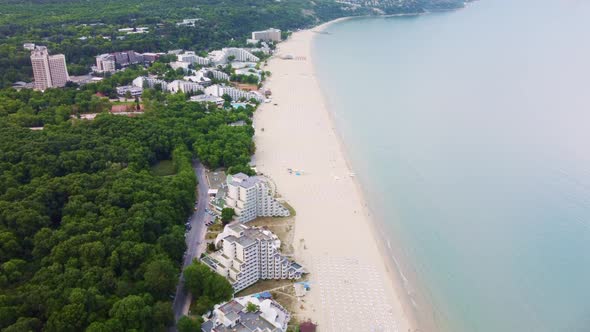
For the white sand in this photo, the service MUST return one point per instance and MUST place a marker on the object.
(352, 289)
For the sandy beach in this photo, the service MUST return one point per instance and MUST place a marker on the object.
(352, 288)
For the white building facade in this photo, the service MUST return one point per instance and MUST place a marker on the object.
(251, 197)
(150, 82)
(249, 254)
(235, 94)
(267, 35)
(48, 70)
(105, 63)
(270, 316)
(220, 57)
(184, 86)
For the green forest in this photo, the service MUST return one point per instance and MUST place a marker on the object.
(90, 237)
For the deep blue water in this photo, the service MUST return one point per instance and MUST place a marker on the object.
(470, 132)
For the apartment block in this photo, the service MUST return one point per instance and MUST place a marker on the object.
(267, 35)
(249, 254)
(48, 70)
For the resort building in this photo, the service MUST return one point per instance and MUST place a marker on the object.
(199, 76)
(208, 99)
(188, 22)
(137, 30)
(248, 72)
(128, 58)
(267, 35)
(191, 57)
(150, 82)
(235, 94)
(29, 46)
(249, 254)
(252, 197)
(222, 56)
(105, 63)
(218, 74)
(180, 64)
(135, 91)
(183, 86)
(151, 57)
(48, 70)
(234, 316)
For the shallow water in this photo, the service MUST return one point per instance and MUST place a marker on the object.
(470, 132)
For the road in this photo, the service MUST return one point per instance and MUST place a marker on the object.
(195, 241)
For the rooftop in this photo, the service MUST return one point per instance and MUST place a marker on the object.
(231, 306)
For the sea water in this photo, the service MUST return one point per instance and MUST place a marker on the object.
(470, 133)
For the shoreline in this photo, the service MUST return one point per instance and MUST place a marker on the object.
(397, 278)
(356, 220)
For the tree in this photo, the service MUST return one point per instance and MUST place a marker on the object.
(227, 214)
(132, 312)
(162, 314)
(241, 169)
(160, 277)
(186, 324)
(202, 305)
(251, 307)
(127, 95)
(202, 281)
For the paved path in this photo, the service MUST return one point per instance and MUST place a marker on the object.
(195, 241)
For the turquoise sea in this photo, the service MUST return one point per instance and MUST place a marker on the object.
(470, 133)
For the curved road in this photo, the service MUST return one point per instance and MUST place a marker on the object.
(195, 241)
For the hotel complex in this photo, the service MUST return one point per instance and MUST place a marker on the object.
(234, 316)
(220, 57)
(105, 63)
(249, 254)
(267, 35)
(252, 197)
(50, 71)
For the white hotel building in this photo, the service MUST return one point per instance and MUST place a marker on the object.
(249, 254)
(239, 54)
(184, 86)
(252, 197)
(105, 63)
(49, 71)
(150, 82)
(267, 35)
(191, 57)
(235, 94)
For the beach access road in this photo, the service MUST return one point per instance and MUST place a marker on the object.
(195, 241)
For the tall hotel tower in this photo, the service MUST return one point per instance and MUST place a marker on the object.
(49, 70)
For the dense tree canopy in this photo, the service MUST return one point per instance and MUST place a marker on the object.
(207, 287)
(90, 238)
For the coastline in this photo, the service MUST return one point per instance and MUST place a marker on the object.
(355, 244)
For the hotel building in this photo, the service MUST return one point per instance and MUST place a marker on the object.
(270, 316)
(105, 63)
(239, 54)
(252, 197)
(150, 82)
(267, 35)
(48, 70)
(184, 86)
(235, 94)
(249, 254)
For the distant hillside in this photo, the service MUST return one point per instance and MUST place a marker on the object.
(82, 29)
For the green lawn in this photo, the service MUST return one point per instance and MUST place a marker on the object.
(164, 168)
